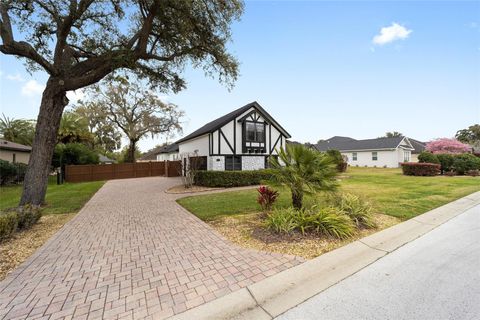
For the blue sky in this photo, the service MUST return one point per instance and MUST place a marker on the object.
(316, 68)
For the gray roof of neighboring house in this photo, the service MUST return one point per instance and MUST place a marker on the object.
(8, 145)
(346, 143)
(220, 122)
(417, 145)
(152, 154)
(103, 159)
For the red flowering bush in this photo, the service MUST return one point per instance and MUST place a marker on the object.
(420, 169)
(266, 197)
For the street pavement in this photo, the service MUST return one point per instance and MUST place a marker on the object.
(436, 276)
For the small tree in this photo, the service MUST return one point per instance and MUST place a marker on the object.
(188, 168)
(303, 171)
(447, 145)
(392, 134)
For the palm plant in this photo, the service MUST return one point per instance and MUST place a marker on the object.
(303, 171)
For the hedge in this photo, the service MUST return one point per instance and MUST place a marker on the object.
(456, 163)
(229, 179)
(420, 169)
(11, 172)
(462, 163)
(18, 219)
(428, 157)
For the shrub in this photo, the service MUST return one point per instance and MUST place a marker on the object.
(428, 157)
(11, 172)
(282, 220)
(359, 210)
(462, 163)
(473, 173)
(8, 224)
(73, 153)
(229, 179)
(420, 169)
(450, 173)
(331, 221)
(337, 158)
(446, 161)
(328, 221)
(266, 197)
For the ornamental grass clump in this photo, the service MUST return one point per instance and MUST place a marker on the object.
(359, 210)
(327, 221)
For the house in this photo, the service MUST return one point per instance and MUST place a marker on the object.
(243, 139)
(105, 160)
(419, 148)
(379, 152)
(162, 153)
(14, 152)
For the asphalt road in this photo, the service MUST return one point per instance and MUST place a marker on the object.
(434, 277)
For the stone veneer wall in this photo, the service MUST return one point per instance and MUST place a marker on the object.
(253, 162)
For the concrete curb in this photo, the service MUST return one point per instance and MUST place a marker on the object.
(273, 296)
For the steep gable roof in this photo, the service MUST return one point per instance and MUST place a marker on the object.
(417, 145)
(349, 144)
(152, 154)
(220, 122)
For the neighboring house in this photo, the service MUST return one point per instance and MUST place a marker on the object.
(168, 152)
(380, 152)
(419, 148)
(240, 140)
(14, 152)
(105, 160)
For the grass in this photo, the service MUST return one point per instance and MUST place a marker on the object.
(65, 198)
(388, 190)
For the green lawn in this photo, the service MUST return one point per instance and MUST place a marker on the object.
(65, 198)
(387, 189)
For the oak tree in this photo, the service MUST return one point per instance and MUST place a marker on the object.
(79, 42)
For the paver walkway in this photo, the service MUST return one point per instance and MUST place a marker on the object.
(131, 253)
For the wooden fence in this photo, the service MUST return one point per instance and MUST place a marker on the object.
(93, 172)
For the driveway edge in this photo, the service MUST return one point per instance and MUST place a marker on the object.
(274, 295)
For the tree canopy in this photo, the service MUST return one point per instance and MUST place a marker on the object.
(17, 130)
(79, 42)
(471, 135)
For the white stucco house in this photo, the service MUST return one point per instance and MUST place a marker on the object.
(380, 152)
(243, 139)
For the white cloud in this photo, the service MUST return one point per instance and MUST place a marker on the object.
(76, 95)
(16, 77)
(32, 87)
(391, 33)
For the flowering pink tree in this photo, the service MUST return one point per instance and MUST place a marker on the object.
(447, 145)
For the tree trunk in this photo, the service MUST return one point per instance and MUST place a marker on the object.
(131, 152)
(297, 199)
(53, 102)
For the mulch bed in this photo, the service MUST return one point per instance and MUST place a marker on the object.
(248, 231)
(194, 189)
(21, 245)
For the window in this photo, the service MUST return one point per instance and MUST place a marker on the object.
(374, 156)
(255, 132)
(406, 156)
(354, 156)
(233, 163)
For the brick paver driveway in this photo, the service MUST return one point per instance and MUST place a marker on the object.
(131, 253)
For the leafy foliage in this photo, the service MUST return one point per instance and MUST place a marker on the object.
(420, 169)
(229, 179)
(17, 130)
(338, 160)
(266, 197)
(462, 163)
(74, 129)
(73, 153)
(18, 219)
(428, 157)
(392, 134)
(303, 171)
(471, 135)
(328, 221)
(11, 172)
(135, 110)
(447, 145)
(359, 210)
(446, 161)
